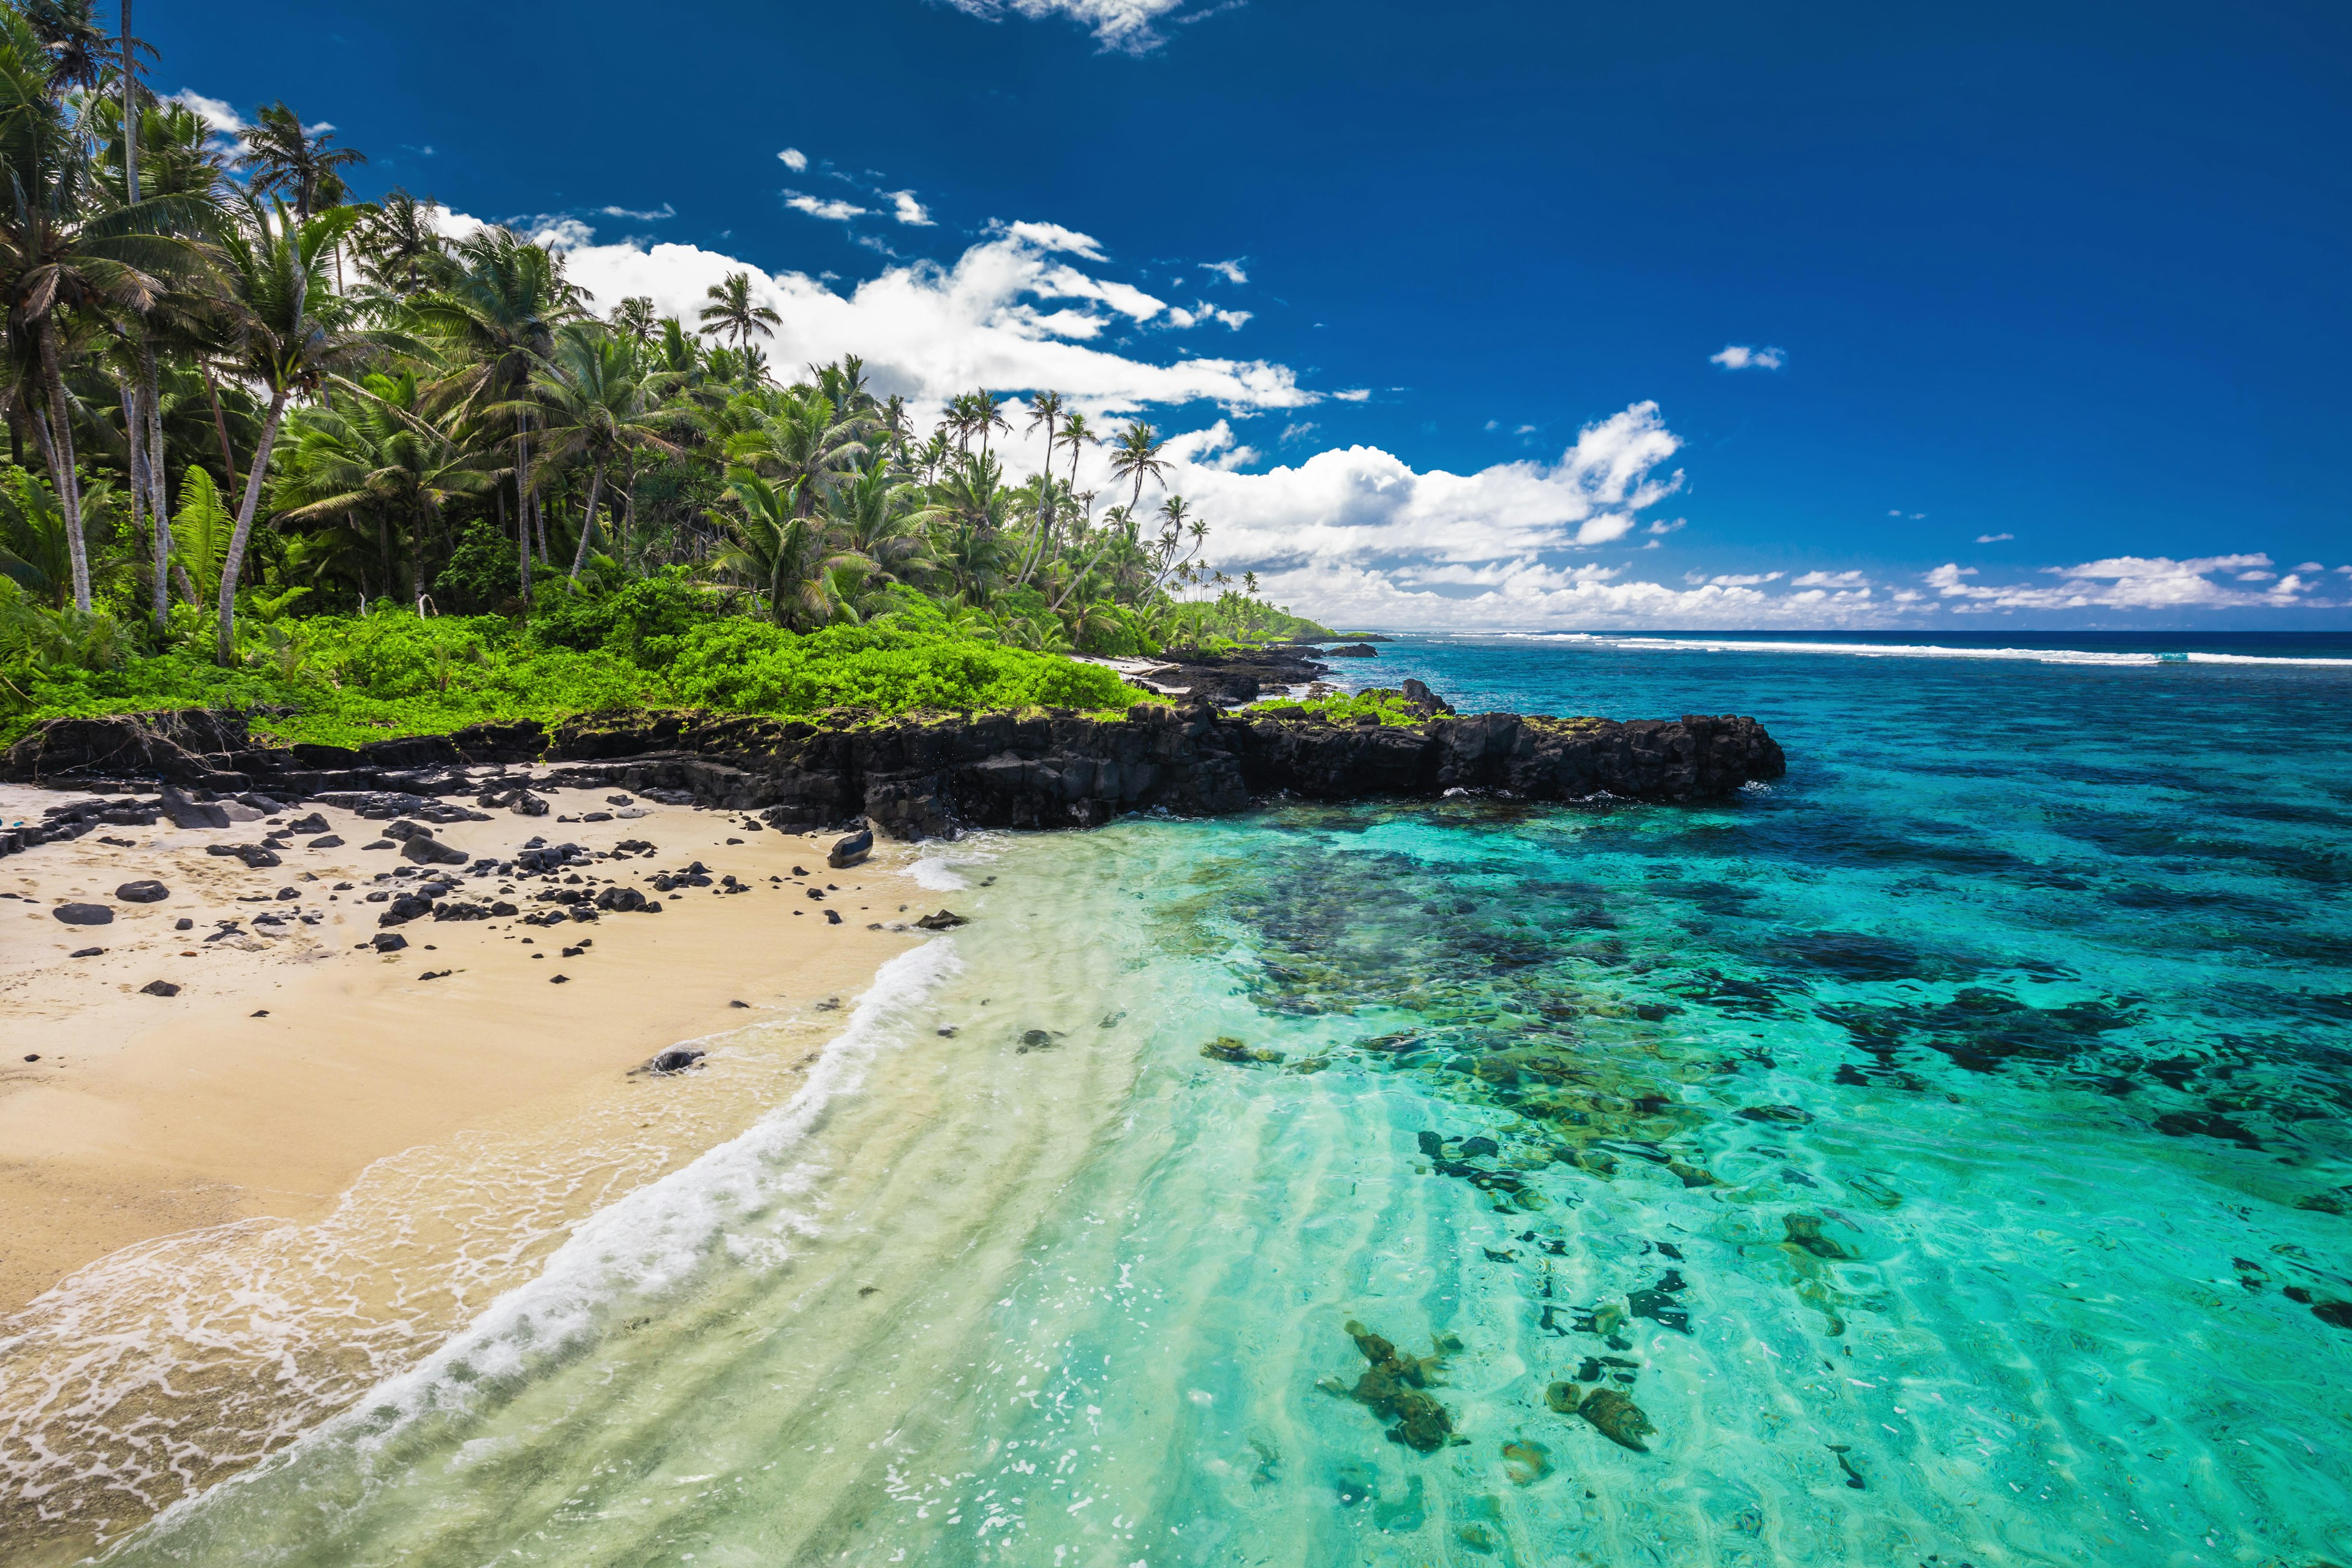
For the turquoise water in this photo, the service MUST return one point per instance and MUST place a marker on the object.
(1940, 1157)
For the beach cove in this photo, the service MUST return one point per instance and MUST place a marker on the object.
(1914, 1176)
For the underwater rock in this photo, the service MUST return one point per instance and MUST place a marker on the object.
(1565, 1397)
(1526, 1463)
(1036, 1040)
(1433, 1144)
(1474, 1148)
(1804, 1230)
(1225, 1048)
(1617, 1418)
(1782, 1115)
(1391, 1388)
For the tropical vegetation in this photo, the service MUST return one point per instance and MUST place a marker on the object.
(274, 447)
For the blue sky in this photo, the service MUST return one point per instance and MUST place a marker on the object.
(2043, 305)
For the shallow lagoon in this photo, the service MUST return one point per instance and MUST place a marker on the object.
(1942, 1152)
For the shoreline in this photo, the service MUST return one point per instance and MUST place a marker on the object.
(286, 1064)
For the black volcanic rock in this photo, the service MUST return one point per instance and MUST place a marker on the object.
(145, 892)
(933, 776)
(84, 914)
(849, 851)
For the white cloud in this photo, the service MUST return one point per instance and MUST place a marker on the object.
(1831, 580)
(1994, 538)
(2311, 566)
(1355, 394)
(1122, 24)
(821, 207)
(1745, 356)
(795, 159)
(1743, 580)
(908, 210)
(1662, 529)
(224, 121)
(2126, 582)
(1012, 312)
(1299, 430)
(1230, 270)
(666, 211)
(1204, 313)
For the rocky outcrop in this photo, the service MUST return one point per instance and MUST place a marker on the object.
(923, 777)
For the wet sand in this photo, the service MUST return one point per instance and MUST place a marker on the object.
(287, 1064)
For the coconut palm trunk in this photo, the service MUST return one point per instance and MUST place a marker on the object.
(522, 511)
(588, 523)
(233, 560)
(56, 441)
(159, 499)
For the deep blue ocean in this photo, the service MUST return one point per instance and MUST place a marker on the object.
(1941, 1156)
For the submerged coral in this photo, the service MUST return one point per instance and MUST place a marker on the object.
(1392, 1389)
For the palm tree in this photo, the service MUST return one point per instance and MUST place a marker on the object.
(599, 404)
(65, 250)
(634, 320)
(987, 415)
(1136, 457)
(1046, 410)
(499, 313)
(731, 313)
(286, 343)
(782, 552)
(884, 521)
(289, 162)
(401, 247)
(79, 48)
(368, 454)
(801, 444)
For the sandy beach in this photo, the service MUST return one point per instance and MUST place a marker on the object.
(294, 1054)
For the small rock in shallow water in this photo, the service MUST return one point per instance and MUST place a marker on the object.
(945, 920)
(1526, 1463)
(159, 988)
(84, 914)
(1617, 1418)
(1782, 1115)
(1474, 1148)
(1225, 1048)
(1035, 1040)
(677, 1058)
(146, 892)
(1391, 1389)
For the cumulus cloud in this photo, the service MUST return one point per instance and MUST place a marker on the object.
(1126, 26)
(1744, 580)
(1016, 311)
(1831, 580)
(830, 209)
(2128, 582)
(1994, 538)
(908, 210)
(795, 159)
(1745, 356)
(224, 122)
(1204, 313)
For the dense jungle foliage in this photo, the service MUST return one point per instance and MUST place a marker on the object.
(275, 448)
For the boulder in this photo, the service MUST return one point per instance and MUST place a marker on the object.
(186, 812)
(159, 988)
(849, 851)
(146, 892)
(403, 908)
(388, 942)
(313, 823)
(624, 901)
(84, 914)
(677, 1058)
(429, 851)
(945, 920)
(327, 841)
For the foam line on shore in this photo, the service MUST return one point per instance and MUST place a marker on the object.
(646, 1243)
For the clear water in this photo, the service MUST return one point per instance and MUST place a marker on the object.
(1945, 1152)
